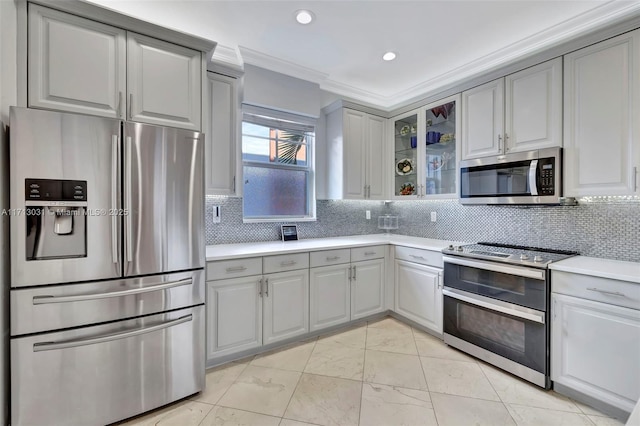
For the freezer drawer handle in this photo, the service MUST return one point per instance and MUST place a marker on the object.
(41, 300)
(40, 347)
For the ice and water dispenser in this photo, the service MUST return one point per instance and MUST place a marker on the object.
(56, 215)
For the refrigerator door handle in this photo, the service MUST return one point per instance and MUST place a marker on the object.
(128, 202)
(42, 300)
(115, 190)
(51, 346)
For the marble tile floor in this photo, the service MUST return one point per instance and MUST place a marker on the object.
(381, 373)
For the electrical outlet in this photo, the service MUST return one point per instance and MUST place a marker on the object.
(434, 217)
(368, 214)
(216, 214)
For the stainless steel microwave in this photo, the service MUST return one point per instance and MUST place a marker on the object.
(529, 177)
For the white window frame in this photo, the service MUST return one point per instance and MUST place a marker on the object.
(281, 119)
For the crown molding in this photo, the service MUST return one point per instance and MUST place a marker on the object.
(226, 60)
(596, 19)
(262, 60)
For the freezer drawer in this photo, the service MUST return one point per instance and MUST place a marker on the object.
(48, 308)
(101, 374)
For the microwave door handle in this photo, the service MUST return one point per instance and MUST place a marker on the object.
(533, 185)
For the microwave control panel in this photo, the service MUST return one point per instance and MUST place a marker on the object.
(547, 177)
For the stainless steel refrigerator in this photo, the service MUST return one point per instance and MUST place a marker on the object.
(107, 257)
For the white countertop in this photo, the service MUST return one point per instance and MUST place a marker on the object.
(266, 248)
(605, 268)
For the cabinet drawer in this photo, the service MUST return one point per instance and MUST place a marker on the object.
(606, 290)
(424, 257)
(234, 268)
(367, 253)
(330, 257)
(285, 262)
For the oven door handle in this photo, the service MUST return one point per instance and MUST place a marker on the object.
(519, 271)
(495, 305)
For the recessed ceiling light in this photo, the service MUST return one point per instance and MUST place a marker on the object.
(389, 56)
(304, 17)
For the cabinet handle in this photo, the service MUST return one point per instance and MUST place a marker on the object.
(613, 293)
(119, 104)
(332, 258)
(288, 263)
(350, 267)
(131, 106)
(369, 253)
(417, 257)
(260, 287)
(506, 142)
(634, 176)
(234, 184)
(354, 273)
(266, 282)
(500, 142)
(368, 191)
(555, 309)
(236, 269)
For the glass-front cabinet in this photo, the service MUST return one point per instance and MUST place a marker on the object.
(426, 151)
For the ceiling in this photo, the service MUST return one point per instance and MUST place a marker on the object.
(436, 42)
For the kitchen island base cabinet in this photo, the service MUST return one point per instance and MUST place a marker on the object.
(286, 305)
(595, 350)
(418, 294)
(367, 288)
(330, 296)
(234, 315)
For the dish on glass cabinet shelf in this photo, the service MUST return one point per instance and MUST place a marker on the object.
(404, 166)
(414, 128)
(404, 131)
(407, 189)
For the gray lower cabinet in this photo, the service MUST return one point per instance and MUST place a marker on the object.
(330, 296)
(367, 288)
(347, 291)
(234, 315)
(285, 305)
(246, 312)
(418, 294)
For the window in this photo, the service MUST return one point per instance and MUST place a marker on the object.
(277, 162)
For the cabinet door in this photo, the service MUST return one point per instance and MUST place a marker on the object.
(418, 294)
(533, 107)
(441, 153)
(221, 130)
(354, 154)
(407, 161)
(75, 64)
(330, 296)
(602, 118)
(367, 288)
(375, 158)
(286, 305)
(482, 120)
(164, 83)
(595, 349)
(234, 315)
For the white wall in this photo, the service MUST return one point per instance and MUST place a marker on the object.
(8, 97)
(271, 89)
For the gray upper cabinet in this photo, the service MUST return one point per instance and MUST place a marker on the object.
(221, 133)
(519, 112)
(164, 83)
(83, 66)
(75, 64)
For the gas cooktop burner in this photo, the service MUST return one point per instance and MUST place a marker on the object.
(507, 253)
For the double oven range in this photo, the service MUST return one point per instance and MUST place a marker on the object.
(496, 305)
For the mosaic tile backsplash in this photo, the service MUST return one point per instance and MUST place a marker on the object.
(607, 228)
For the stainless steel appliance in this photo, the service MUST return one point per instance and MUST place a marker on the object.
(107, 258)
(531, 177)
(496, 305)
